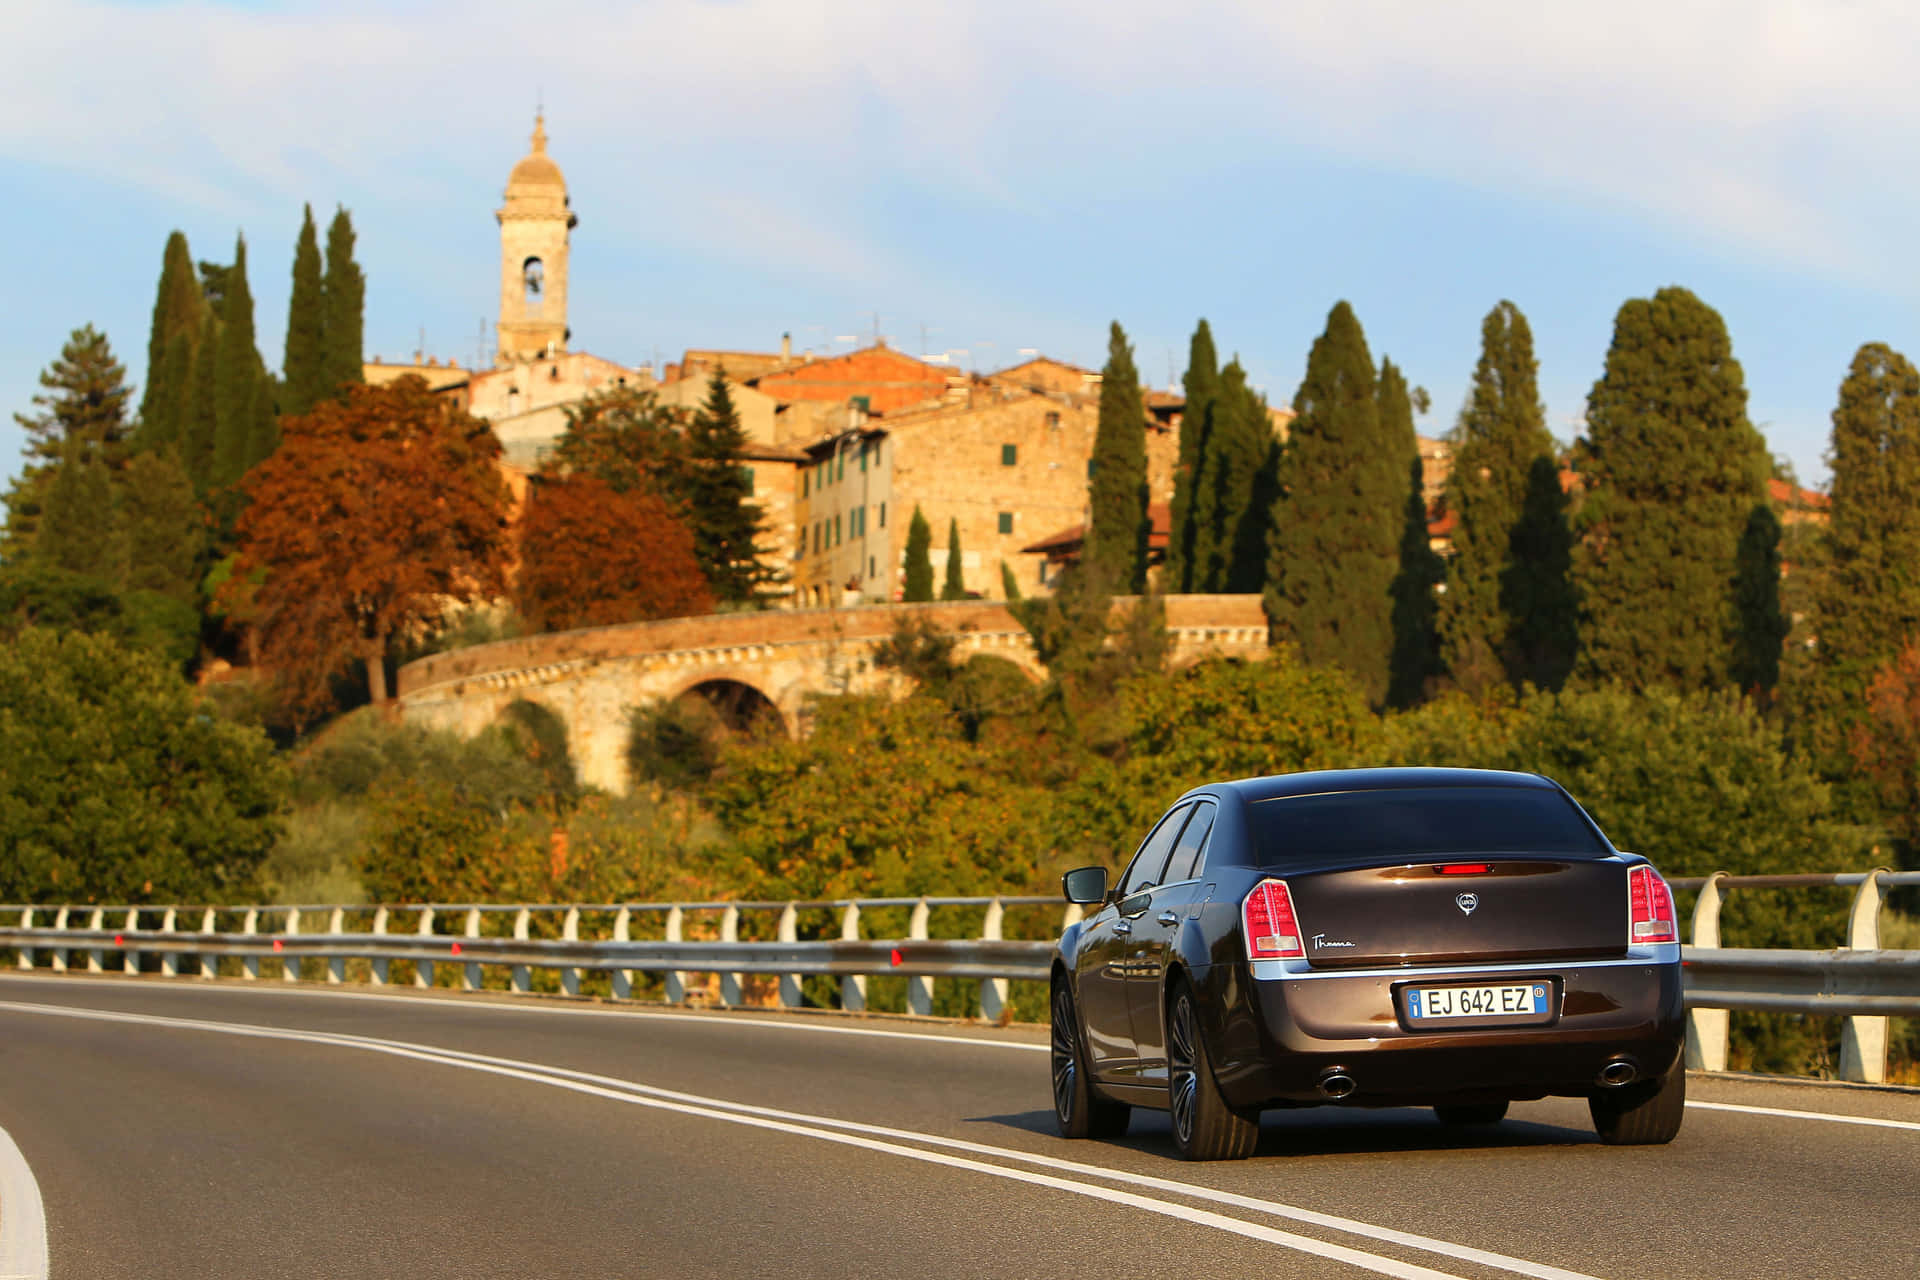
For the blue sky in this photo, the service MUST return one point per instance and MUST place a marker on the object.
(1009, 176)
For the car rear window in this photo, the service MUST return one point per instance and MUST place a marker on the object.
(1419, 822)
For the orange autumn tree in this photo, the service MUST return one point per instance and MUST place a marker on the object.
(377, 515)
(591, 555)
(1886, 747)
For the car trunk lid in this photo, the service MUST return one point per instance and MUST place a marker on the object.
(1463, 910)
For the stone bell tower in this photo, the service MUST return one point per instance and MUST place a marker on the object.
(534, 226)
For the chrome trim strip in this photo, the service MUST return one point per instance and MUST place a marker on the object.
(1298, 970)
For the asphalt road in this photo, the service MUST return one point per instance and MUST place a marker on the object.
(252, 1130)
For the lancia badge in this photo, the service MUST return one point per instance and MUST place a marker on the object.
(1466, 901)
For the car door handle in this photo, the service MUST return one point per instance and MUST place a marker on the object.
(1168, 917)
(1121, 926)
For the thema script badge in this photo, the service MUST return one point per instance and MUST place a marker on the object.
(1466, 901)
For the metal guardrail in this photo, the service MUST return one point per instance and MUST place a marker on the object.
(95, 932)
(1861, 983)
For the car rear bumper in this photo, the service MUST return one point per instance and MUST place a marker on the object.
(1280, 1035)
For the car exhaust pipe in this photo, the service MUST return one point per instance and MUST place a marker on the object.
(1336, 1085)
(1621, 1071)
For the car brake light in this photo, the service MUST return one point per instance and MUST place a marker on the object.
(1652, 912)
(1267, 917)
(1464, 869)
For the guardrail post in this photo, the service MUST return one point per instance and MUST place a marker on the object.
(853, 987)
(570, 932)
(623, 932)
(130, 955)
(97, 957)
(423, 969)
(522, 932)
(26, 953)
(250, 965)
(377, 974)
(1863, 1040)
(169, 961)
(60, 954)
(290, 964)
(789, 932)
(337, 965)
(919, 989)
(993, 991)
(470, 972)
(730, 932)
(1707, 1028)
(209, 962)
(676, 981)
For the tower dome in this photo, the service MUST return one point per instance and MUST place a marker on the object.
(536, 168)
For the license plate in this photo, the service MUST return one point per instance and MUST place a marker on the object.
(1426, 1004)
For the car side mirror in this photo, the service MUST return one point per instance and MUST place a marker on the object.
(1085, 885)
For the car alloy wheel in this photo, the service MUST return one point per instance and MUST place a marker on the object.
(1205, 1127)
(1077, 1109)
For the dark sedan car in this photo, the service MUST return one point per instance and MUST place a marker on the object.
(1452, 938)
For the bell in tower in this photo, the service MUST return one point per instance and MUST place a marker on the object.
(535, 222)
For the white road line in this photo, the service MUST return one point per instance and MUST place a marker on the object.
(23, 1218)
(726, 1019)
(849, 1134)
(1831, 1117)
(737, 1020)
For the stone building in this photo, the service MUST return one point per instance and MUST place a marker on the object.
(1005, 462)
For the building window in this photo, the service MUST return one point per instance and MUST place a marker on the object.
(870, 567)
(1089, 468)
(1006, 522)
(843, 468)
(883, 515)
(806, 483)
(836, 531)
(746, 474)
(863, 457)
(1009, 454)
(816, 537)
(1053, 419)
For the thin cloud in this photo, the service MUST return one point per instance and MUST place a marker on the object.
(1704, 117)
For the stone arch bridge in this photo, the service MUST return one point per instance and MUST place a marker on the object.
(771, 660)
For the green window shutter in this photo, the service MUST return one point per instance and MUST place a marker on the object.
(883, 515)
(1009, 454)
(1006, 517)
(1090, 463)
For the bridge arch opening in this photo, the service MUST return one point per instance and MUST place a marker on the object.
(676, 741)
(738, 706)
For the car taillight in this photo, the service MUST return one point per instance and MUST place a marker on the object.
(1464, 868)
(1652, 912)
(1267, 917)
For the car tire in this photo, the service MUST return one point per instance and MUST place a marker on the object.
(1205, 1127)
(1077, 1110)
(1471, 1113)
(1642, 1114)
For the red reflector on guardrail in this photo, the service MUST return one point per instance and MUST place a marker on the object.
(116, 939)
(894, 956)
(277, 944)
(456, 948)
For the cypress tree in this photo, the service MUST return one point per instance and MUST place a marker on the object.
(1237, 488)
(919, 586)
(1866, 607)
(163, 526)
(1507, 614)
(237, 377)
(1673, 473)
(177, 311)
(1192, 519)
(1415, 651)
(303, 369)
(1117, 536)
(955, 587)
(726, 522)
(1009, 585)
(198, 421)
(1337, 524)
(345, 289)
